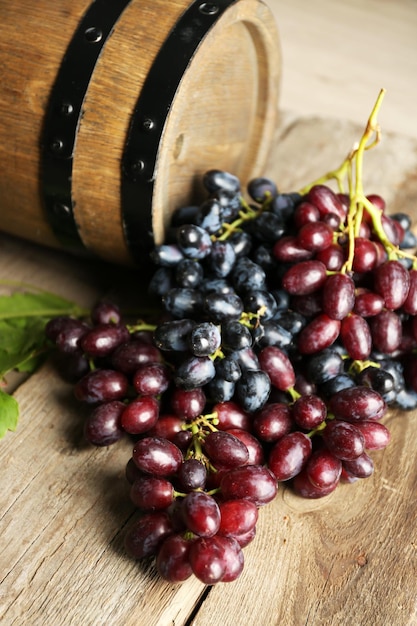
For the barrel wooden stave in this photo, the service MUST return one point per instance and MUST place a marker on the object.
(222, 115)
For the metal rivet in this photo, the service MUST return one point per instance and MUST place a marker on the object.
(61, 210)
(208, 8)
(136, 168)
(93, 34)
(56, 145)
(148, 123)
(66, 108)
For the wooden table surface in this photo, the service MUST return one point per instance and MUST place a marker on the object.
(347, 560)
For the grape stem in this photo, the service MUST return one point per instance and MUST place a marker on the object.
(351, 169)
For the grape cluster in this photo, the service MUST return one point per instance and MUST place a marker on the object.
(273, 361)
(287, 327)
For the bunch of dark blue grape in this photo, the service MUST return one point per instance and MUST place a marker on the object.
(284, 336)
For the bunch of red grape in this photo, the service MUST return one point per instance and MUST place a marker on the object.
(287, 327)
(272, 363)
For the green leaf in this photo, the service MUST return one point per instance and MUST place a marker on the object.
(42, 304)
(9, 413)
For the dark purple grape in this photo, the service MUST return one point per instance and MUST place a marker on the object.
(235, 336)
(278, 366)
(193, 241)
(323, 469)
(103, 339)
(291, 321)
(319, 334)
(336, 384)
(324, 366)
(228, 369)
(210, 216)
(157, 456)
(272, 422)
(223, 307)
(289, 455)
(129, 356)
(284, 205)
(151, 379)
(215, 180)
(249, 482)
(167, 255)
(106, 312)
(247, 276)
(378, 379)
(241, 242)
(309, 411)
(261, 302)
(343, 439)
(219, 389)
(146, 534)
(216, 559)
(222, 258)
(152, 493)
(103, 426)
(231, 415)
(67, 340)
(174, 335)
(225, 449)
(253, 389)
(140, 415)
(386, 331)
(201, 513)
(192, 474)
(261, 189)
(305, 277)
(392, 282)
(237, 517)
(101, 385)
(188, 274)
(188, 404)
(357, 404)
(184, 215)
(162, 281)
(230, 203)
(204, 339)
(268, 227)
(194, 372)
(182, 302)
(173, 560)
(361, 467)
(338, 296)
(216, 285)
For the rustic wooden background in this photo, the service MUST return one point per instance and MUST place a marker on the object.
(349, 559)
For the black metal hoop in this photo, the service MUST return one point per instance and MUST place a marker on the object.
(150, 114)
(64, 114)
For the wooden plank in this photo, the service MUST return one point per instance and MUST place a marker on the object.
(348, 559)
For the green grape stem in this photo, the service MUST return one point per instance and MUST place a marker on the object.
(350, 171)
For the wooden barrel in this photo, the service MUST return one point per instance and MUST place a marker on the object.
(111, 111)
